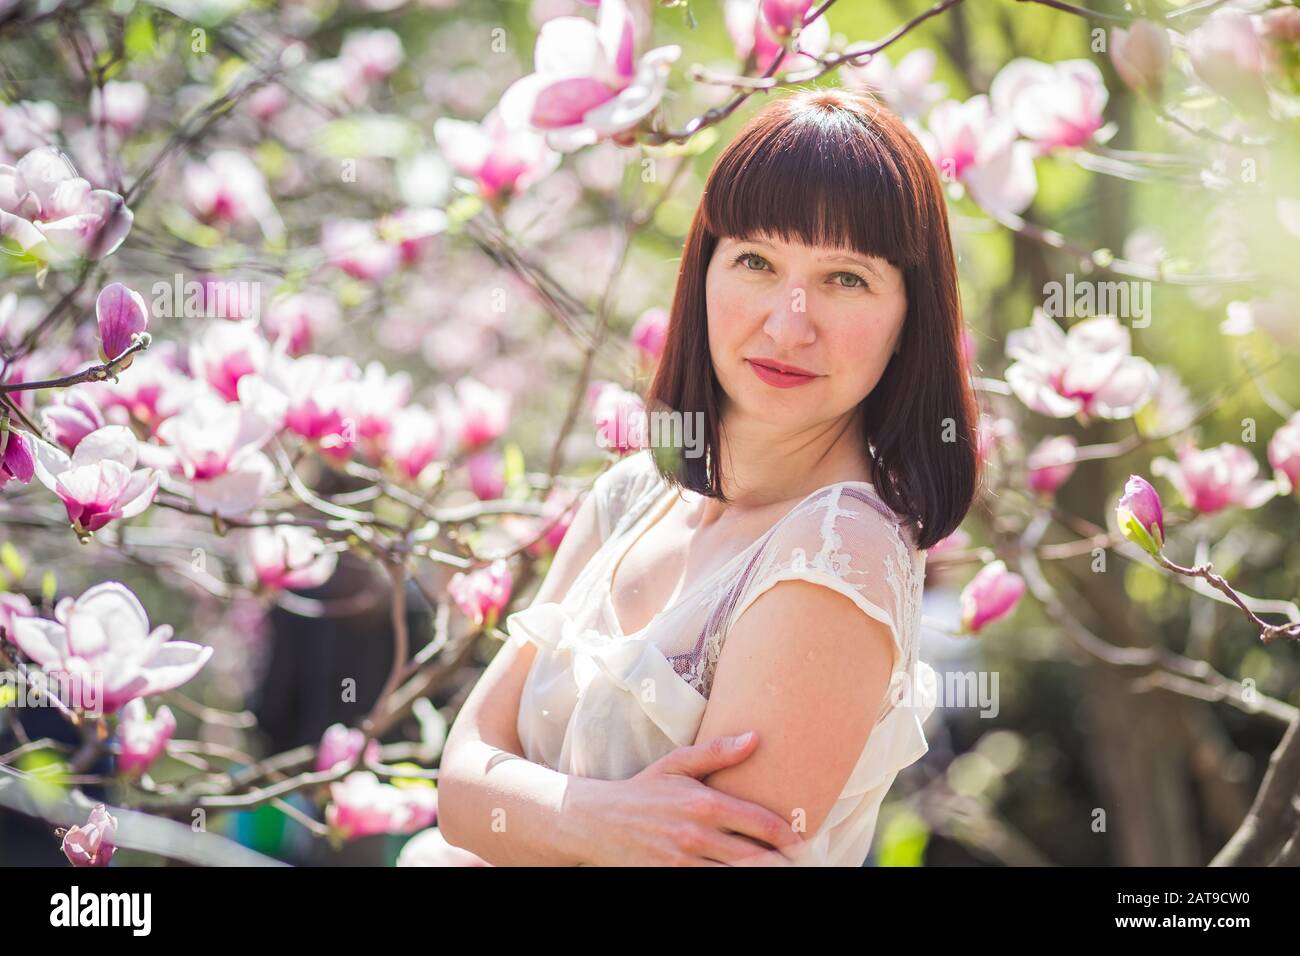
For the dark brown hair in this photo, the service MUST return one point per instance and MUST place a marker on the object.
(834, 167)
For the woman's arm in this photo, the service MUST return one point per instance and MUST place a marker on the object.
(512, 812)
(491, 800)
(809, 671)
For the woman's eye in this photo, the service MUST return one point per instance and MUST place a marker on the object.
(748, 257)
(856, 281)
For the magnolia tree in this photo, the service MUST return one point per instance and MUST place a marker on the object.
(381, 284)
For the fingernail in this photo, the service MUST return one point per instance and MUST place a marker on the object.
(742, 739)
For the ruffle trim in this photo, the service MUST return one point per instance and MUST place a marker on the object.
(637, 666)
(896, 742)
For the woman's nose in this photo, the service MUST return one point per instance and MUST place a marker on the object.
(788, 320)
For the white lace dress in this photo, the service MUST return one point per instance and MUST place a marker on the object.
(601, 703)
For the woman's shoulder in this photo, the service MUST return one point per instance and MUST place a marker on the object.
(621, 486)
(854, 510)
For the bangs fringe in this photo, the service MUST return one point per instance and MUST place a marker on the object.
(819, 172)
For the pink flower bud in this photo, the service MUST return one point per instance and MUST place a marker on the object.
(92, 845)
(991, 594)
(1051, 463)
(1141, 56)
(1284, 451)
(783, 16)
(484, 593)
(1229, 57)
(143, 739)
(650, 333)
(487, 475)
(72, 417)
(17, 461)
(341, 744)
(1140, 515)
(121, 313)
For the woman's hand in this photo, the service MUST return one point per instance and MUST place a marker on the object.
(665, 815)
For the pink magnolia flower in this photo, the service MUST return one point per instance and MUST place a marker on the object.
(620, 418)
(1275, 315)
(1212, 479)
(152, 393)
(907, 87)
(370, 56)
(360, 805)
(287, 557)
(1229, 56)
(751, 33)
(25, 126)
(92, 844)
(216, 446)
(1141, 56)
(13, 606)
(487, 475)
(341, 744)
(226, 352)
(558, 512)
(142, 739)
(971, 145)
(412, 231)
(992, 594)
(17, 461)
(105, 633)
(120, 105)
(99, 482)
(482, 594)
(317, 390)
(121, 315)
(1140, 515)
(479, 412)
(588, 85)
(1051, 463)
(783, 17)
(229, 188)
(430, 848)
(52, 213)
(299, 319)
(1284, 451)
(503, 160)
(374, 399)
(267, 102)
(993, 434)
(1087, 371)
(1053, 105)
(72, 416)
(650, 333)
(355, 247)
(415, 441)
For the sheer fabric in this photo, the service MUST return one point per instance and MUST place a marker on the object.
(601, 703)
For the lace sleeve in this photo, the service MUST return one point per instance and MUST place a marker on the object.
(620, 487)
(846, 540)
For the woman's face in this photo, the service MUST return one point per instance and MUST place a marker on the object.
(833, 313)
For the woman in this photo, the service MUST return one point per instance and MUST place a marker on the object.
(771, 584)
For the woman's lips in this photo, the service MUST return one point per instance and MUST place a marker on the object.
(778, 378)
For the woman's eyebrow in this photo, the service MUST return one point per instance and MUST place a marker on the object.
(858, 260)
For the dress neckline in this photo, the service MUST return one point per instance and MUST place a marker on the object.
(641, 526)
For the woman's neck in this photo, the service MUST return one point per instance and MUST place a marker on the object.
(764, 466)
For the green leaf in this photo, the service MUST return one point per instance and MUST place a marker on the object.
(903, 840)
(139, 38)
(12, 561)
(366, 136)
(513, 465)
